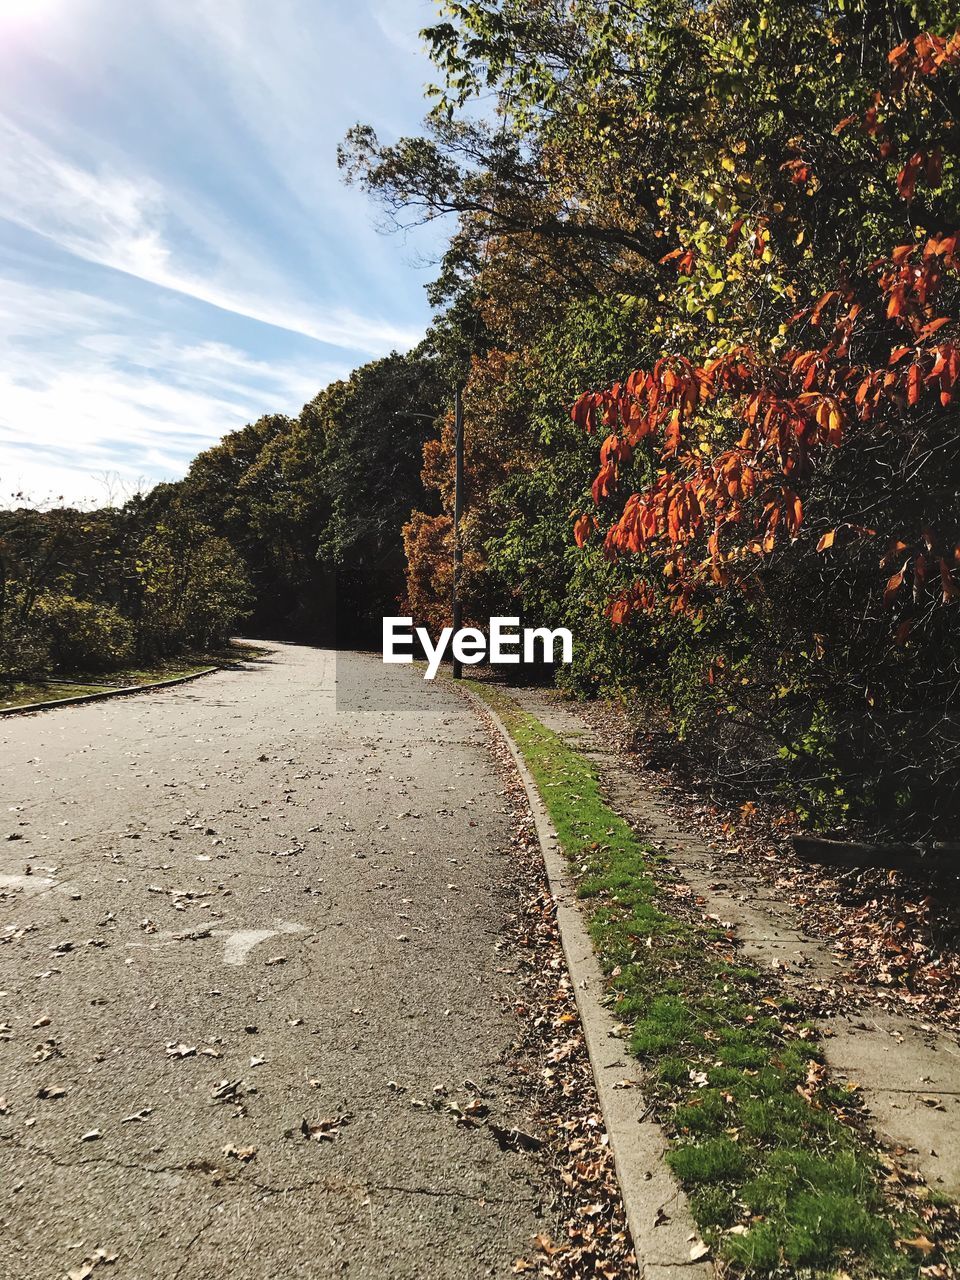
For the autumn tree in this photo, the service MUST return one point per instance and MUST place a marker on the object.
(753, 207)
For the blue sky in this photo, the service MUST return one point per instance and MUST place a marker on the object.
(177, 252)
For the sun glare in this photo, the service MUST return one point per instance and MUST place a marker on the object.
(23, 8)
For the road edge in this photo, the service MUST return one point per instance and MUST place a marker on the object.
(658, 1214)
(29, 707)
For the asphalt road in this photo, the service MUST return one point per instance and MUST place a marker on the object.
(251, 962)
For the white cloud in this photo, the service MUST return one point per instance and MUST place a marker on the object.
(189, 145)
(401, 21)
(116, 400)
(130, 223)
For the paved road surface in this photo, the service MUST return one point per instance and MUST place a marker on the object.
(228, 909)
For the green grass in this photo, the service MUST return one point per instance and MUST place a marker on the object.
(781, 1181)
(22, 695)
(81, 683)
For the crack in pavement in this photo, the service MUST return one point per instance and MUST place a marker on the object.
(330, 1185)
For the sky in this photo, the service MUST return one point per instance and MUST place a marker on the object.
(178, 254)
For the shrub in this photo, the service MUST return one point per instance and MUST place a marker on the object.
(24, 649)
(83, 635)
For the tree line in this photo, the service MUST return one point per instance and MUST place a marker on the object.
(287, 527)
(702, 298)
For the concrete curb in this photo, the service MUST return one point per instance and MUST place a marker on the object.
(657, 1210)
(29, 707)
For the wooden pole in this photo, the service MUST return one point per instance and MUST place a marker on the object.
(457, 515)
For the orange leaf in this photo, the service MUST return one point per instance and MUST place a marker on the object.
(671, 442)
(893, 586)
(793, 511)
(920, 1243)
(825, 301)
(582, 529)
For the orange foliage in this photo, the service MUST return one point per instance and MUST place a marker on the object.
(745, 501)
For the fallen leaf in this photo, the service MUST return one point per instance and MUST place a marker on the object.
(137, 1116)
(227, 1091)
(323, 1131)
(181, 1050)
(544, 1243)
(515, 1139)
(99, 1258)
(920, 1243)
(244, 1154)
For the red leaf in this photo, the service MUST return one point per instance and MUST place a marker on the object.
(671, 441)
(907, 177)
(733, 234)
(845, 123)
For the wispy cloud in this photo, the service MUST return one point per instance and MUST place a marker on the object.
(130, 223)
(135, 406)
(173, 161)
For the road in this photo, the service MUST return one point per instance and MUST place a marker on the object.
(251, 953)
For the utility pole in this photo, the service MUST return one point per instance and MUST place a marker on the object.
(457, 515)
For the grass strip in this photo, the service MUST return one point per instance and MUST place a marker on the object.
(25, 693)
(781, 1176)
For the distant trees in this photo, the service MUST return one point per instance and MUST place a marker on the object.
(292, 525)
(315, 504)
(375, 426)
(91, 591)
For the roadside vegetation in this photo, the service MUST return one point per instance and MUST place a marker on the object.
(24, 693)
(97, 597)
(702, 295)
(782, 1175)
(726, 237)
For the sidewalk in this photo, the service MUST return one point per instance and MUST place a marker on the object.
(910, 1076)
